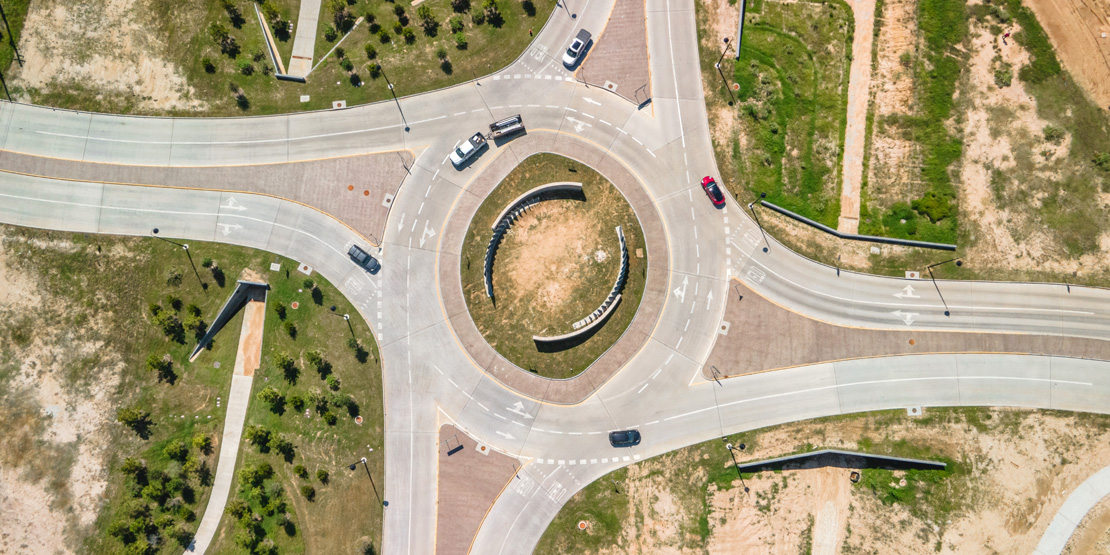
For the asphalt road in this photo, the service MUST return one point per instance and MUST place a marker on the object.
(430, 380)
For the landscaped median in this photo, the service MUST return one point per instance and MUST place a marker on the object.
(112, 436)
(556, 264)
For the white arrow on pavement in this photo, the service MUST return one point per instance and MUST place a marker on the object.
(578, 125)
(401, 223)
(518, 408)
(428, 233)
(680, 292)
(708, 299)
(591, 101)
(505, 435)
(907, 293)
(232, 205)
(228, 228)
(907, 317)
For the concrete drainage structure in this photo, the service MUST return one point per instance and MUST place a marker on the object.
(518, 207)
(599, 316)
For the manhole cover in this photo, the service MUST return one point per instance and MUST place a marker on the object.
(581, 524)
(736, 86)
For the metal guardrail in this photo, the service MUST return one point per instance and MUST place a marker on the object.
(855, 237)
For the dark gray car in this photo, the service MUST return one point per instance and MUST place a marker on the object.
(624, 438)
(363, 258)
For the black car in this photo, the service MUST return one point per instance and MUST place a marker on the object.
(624, 438)
(363, 258)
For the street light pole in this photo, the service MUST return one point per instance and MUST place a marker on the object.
(932, 277)
(184, 247)
(722, 73)
(751, 206)
(736, 465)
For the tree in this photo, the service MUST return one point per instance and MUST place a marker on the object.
(409, 35)
(279, 308)
(371, 52)
(460, 6)
(258, 436)
(203, 443)
(208, 65)
(300, 470)
(176, 450)
(441, 53)
(460, 41)
(456, 24)
(330, 418)
(427, 20)
(283, 447)
(273, 397)
(162, 367)
(322, 475)
(308, 283)
(135, 418)
(308, 492)
(134, 468)
(297, 402)
(290, 328)
(333, 382)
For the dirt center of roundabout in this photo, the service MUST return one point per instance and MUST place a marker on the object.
(555, 265)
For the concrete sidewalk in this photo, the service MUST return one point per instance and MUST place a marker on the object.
(859, 87)
(1071, 513)
(246, 362)
(304, 43)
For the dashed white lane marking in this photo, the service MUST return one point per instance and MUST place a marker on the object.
(603, 121)
(459, 113)
(588, 115)
(642, 388)
(485, 408)
(499, 416)
(553, 107)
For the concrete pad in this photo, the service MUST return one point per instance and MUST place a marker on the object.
(304, 43)
(248, 357)
(469, 482)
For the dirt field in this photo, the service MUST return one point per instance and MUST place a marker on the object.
(1093, 534)
(1080, 31)
(1010, 470)
(104, 46)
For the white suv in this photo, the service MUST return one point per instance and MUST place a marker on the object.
(577, 46)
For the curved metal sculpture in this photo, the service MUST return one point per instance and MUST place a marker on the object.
(512, 212)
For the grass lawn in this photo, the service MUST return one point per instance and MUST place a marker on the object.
(484, 43)
(554, 267)
(789, 114)
(98, 297)
(14, 11)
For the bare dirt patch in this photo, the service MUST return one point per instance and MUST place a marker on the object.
(894, 164)
(105, 46)
(1093, 534)
(554, 254)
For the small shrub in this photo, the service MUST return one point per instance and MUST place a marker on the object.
(330, 34)
(1003, 77)
(272, 397)
(209, 67)
(1102, 161)
(279, 308)
(246, 67)
(398, 27)
(322, 475)
(333, 382)
(257, 55)
(441, 53)
(375, 70)
(460, 6)
(446, 67)
(346, 64)
(935, 207)
(460, 41)
(371, 52)
(308, 492)
(340, 53)
(192, 309)
(398, 10)
(290, 329)
(173, 302)
(529, 8)
(456, 24)
(383, 36)
(330, 418)
(906, 59)
(1054, 134)
(300, 470)
(258, 436)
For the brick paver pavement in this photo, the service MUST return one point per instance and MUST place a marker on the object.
(618, 60)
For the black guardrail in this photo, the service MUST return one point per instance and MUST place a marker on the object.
(854, 237)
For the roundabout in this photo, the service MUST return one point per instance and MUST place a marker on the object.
(553, 270)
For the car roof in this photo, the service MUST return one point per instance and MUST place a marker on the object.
(583, 35)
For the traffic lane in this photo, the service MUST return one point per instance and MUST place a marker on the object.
(179, 212)
(1079, 384)
(44, 131)
(50, 203)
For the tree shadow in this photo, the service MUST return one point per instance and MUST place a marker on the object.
(317, 296)
(217, 272)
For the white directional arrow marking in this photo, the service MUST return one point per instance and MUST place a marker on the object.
(518, 408)
(907, 317)
(591, 101)
(233, 205)
(428, 233)
(578, 125)
(681, 291)
(401, 223)
(228, 228)
(708, 299)
(907, 293)
(505, 435)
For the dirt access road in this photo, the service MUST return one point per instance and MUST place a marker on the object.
(1080, 31)
(859, 85)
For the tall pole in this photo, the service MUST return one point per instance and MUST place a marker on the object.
(184, 247)
(11, 37)
(931, 276)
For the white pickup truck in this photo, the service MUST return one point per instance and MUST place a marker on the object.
(468, 149)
